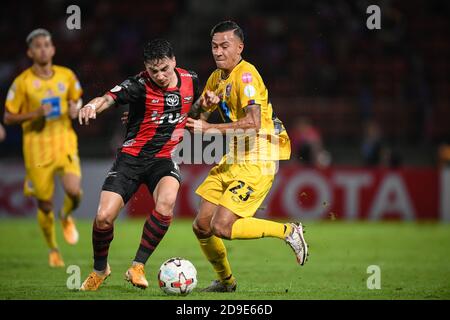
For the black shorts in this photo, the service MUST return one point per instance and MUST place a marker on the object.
(129, 172)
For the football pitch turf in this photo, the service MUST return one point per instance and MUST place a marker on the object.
(414, 260)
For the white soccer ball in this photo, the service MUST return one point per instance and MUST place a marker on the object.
(177, 276)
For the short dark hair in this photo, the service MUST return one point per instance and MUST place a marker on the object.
(158, 49)
(228, 26)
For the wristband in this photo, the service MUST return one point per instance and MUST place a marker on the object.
(91, 105)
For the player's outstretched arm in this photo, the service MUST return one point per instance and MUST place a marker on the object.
(252, 120)
(96, 105)
(18, 118)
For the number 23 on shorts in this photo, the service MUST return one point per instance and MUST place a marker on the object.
(242, 191)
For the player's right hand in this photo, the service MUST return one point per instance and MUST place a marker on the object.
(210, 99)
(87, 112)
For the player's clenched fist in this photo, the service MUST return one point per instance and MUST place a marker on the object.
(209, 99)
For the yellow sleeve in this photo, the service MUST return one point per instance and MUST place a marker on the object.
(16, 96)
(211, 86)
(251, 88)
(75, 90)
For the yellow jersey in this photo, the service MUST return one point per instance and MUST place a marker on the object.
(243, 87)
(47, 138)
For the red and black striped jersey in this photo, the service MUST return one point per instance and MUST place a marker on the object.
(157, 116)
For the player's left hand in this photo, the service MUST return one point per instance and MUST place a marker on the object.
(197, 125)
(86, 113)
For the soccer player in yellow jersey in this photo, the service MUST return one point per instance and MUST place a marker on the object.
(236, 187)
(44, 99)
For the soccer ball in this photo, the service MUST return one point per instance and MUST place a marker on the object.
(177, 276)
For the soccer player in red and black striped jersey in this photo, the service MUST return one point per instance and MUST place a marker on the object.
(159, 100)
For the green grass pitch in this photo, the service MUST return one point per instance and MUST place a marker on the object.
(414, 260)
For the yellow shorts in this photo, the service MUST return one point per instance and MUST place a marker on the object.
(240, 188)
(39, 181)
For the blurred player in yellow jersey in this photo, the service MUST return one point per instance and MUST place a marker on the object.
(237, 186)
(44, 99)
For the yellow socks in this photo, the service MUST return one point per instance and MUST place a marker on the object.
(244, 228)
(216, 253)
(70, 204)
(47, 224)
(253, 228)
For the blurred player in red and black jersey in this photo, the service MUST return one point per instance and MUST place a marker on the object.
(159, 99)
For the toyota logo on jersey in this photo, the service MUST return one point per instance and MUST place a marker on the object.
(172, 100)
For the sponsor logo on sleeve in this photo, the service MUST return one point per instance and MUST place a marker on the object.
(249, 91)
(247, 77)
(187, 99)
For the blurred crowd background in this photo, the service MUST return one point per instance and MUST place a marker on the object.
(347, 95)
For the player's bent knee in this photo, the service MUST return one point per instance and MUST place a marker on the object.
(104, 220)
(201, 231)
(45, 206)
(165, 206)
